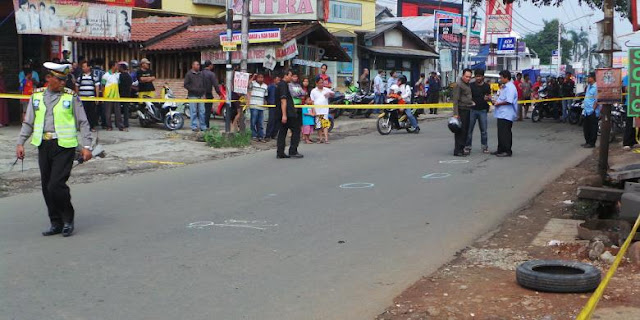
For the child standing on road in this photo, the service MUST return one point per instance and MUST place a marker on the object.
(308, 120)
(320, 97)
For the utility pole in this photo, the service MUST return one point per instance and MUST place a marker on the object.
(517, 55)
(228, 80)
(460, 40)
(559, 47)
(244, 44)
(607, 41)
(466, 47)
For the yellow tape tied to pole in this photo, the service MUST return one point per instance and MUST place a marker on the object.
(587, 312)
(138, 100)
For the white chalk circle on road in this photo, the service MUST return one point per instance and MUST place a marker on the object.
(357, 185)
(454, 161)
(436, 175)
(200, 224)
(233, 223)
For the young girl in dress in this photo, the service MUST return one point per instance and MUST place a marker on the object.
(308, 120)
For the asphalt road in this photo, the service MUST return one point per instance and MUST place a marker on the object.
(277, 239)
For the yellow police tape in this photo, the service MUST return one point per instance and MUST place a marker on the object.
(587, 312)
(138, 100)
(347, 106)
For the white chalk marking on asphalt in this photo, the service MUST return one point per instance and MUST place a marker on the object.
(253, 224)
(357, 185)
(436, 175)
(200, 224)
(454, 161)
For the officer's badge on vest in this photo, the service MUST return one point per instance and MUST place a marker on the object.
(66, 104)
(36, 104)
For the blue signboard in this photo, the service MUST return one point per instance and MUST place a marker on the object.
(506, 45)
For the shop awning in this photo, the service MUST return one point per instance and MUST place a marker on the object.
(401, 52)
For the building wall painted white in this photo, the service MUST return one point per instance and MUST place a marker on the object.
(393, 38)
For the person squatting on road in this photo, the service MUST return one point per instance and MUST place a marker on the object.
(290, 118)
(481, 93)
(462, 103)
(54, 116)
(591, 112)
(506, 112)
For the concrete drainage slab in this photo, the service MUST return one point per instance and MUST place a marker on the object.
(559, 230)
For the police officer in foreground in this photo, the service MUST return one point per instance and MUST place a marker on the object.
(54, 116)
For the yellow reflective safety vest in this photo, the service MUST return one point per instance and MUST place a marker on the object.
(63, 120)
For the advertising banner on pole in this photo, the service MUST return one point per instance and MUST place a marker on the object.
(449, 31)
(257, 54)
(446, 64)
(633, 106)
(255, 36)
(506, 45)
(240, 82)
(609, 84)
(499, 16)
(72, 18)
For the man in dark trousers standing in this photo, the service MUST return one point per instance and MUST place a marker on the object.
(481, 93)
(211, 82)
(591, 112)
(290, 118)
(433, 96)
(273, 126)
(53, 117)
(506, 112)
(462, 103)
(125, 92)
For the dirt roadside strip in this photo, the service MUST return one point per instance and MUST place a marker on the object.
(143, 150)
(479, 283)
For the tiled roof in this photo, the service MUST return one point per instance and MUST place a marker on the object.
(145, 29)
(194, 37)
(198, 37)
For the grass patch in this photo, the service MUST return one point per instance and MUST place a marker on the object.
(214, 138)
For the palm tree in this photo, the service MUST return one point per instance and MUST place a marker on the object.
(598, 57)
(580, 46)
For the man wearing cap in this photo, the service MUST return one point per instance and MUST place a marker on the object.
(54, 115)
(145, 77)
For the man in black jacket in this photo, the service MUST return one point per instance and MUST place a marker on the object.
(290, 117)
(480, 93)
(211, 82)
(125, 92)
(568, 88)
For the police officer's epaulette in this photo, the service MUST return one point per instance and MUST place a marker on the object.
(40, 89)
(69, 91)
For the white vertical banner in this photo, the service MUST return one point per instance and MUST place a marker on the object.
(446, 64)
(240, 82)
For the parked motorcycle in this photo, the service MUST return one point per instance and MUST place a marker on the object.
(618, 121)
(337, 99)
(545, 109)
(167, 113)
(393, 119)
(359, 97)
(575, 112)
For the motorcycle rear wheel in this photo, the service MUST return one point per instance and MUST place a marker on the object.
(535, 115)
(143, 123)
(574, 117)
(384, 126)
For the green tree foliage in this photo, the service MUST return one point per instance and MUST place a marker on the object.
(546, 40)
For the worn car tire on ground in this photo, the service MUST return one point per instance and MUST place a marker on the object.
(558, 276)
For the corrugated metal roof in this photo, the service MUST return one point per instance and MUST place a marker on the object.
(402, 52)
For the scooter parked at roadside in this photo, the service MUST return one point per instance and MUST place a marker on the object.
(150, 113)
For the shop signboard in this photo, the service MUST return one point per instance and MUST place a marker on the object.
(307, 63)
(270, 60)
(150, 4)
(345, 13)
(506, 45)
(633, 108)
(257, 54)
(240, 82)
(456, 18)
(499, 16)
(72, 18)
(217, 3)
(255, 36)
(229, 46)
(278, 9)
(609, 84)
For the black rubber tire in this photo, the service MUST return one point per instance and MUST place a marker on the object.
(535, 115)
(143, 123)
(383, 131)
(574, 117)
(174, 123)
(569, 276)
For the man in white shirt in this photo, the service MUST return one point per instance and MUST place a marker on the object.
(320, 97)
(257, 94)
(392, 80)
(378, 89)
(405, 94)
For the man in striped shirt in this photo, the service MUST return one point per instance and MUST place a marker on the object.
(88, 86)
